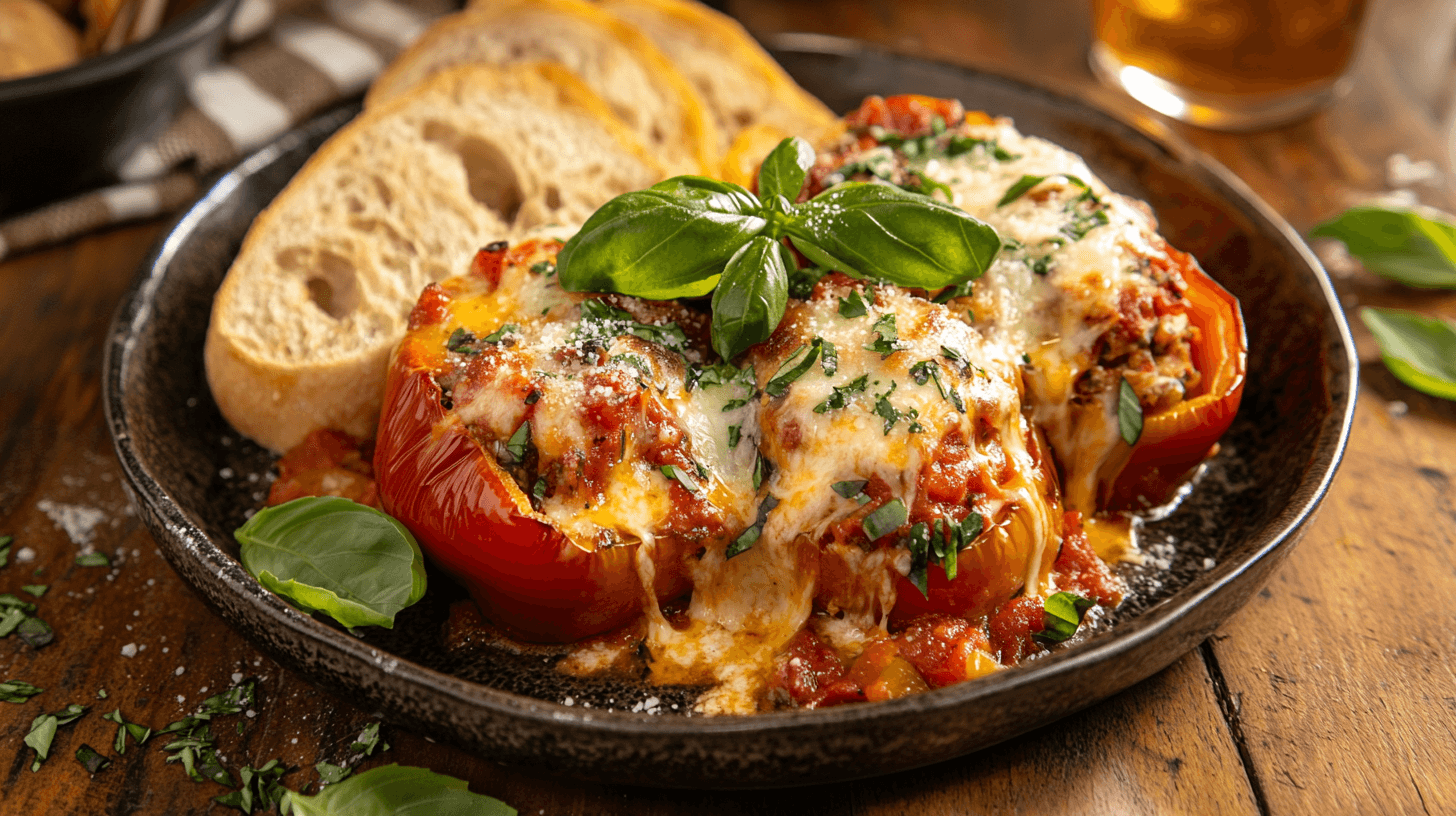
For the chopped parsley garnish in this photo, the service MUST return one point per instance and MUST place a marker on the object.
(949, 539)
(793, 368)
(854, 305)
(762, 467)
(637, 361)
(95, 558)
(538, 490)
(515, 449)
(930, 369)
(260, 789)
(841, 394)
(1129, 413)
(601, 320)
(960, 144)
(889, 336)
(850, 488)
(1064, 613)
(735, 433)
(828, 357)
(17, 691)
(35, 632)
(745, 540)
(194, 746)
(891, 415)
(1084, 222)
(951, 354)
(885, 519)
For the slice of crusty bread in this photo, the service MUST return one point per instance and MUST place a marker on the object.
(321, 290)
(617, 61)
(739, 82)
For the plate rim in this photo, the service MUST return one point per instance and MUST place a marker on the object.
(152, 500)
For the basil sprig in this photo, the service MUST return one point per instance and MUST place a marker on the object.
(688, 235)
(1419, 351)
(332, 555)
(1397, 244)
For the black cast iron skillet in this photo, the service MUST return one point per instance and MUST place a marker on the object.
(189, 474)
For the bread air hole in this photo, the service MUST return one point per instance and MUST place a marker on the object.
(488, 172)
(330, 279)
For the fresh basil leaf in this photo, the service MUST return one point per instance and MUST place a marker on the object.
(680, 476)
(139, 733)
(42, 734)
(1419, 351)
(5, 542)
(889, 336)
(792, 369)
(36, 590)
(671, 240)
(850, 487)
(330, 774)
(918, 542)
(396, 790)
(828, 357)
(515, 450)
(885, 519)
(1025, 183)
(499, 334)
(853, 306)
(745, 540)
(782, 172)
(368, 741)
(328, 554)
(1064, 612)
(17, 691)
(1129, 413)
(750, 299)
(1397, 244)
(882, 232)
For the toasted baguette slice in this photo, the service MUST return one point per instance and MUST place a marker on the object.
(739, 82)
(622, 65)
(321, 290)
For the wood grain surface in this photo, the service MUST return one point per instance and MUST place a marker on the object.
(1333, 691)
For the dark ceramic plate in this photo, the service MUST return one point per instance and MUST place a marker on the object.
(194, 479)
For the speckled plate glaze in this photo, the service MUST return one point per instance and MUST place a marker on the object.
(193, 479)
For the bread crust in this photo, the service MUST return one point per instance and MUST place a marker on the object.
(621, 64)
(304, 322)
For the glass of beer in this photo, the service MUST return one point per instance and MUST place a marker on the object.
(1227, 64)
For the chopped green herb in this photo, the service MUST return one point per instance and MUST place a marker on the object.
(260, 790)
(139, 733)
(538, 490)
(601, 321)
(95, 558)
(745, 541)
(889, 336)
(546, 268)
(461, 342)
(918, 542)
(850, 487)
(43, 731)
(36, 590)
(499, 334)
(887, 411)
(368, 741)
(841, 394)
(885, 519)
(949, 293)
(681, 477)
(761, 468)
(792, 369)
(828, 358)
(854, 305)
(515, 450)
(1026, 359)
(951, 354)
(90, 760)
(35, 632)
(10, 621)
(1129, 413)
(735, 433)
(330, 773)
(533, 397)
(802, 281)
(17, 691)
(1064, 613)
(5, 542)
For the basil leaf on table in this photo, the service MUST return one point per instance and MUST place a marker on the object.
(783, 172)
(332, 555)
(750, 299)
(1397, 244)
(882, 232)
(1419, 351)
(671, 240)
(398, 790)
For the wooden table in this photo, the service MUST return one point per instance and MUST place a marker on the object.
(1334, 691)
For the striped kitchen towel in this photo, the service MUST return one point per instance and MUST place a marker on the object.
(286, 61)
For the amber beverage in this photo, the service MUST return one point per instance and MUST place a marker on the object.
(1227, 64)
